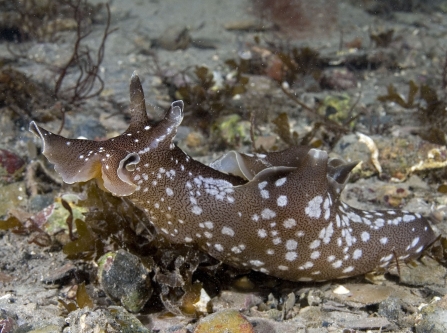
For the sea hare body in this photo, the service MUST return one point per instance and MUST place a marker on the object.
(278, 213)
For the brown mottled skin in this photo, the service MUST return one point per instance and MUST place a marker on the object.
(278, 213)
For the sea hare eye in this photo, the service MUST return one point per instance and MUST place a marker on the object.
(130, 161)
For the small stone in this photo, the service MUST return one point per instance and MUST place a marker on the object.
(244, 283)
(263, 325)
(248, 25)
(115, 318)
(5, 278)
(11, 165)
(125, 278)
(314, 297)
(338, 79)
(416, 275)
(226, 321)
(390, 308)
(433, 317)
(194, 140)
(202, 304)
(47, 329)
(367, 323)
(289, 302)
(236, 300)
(60, 275)
(8, 322)
(364, 294)
(265, 142)
(90, 128)
(12, 196)
(175, 38)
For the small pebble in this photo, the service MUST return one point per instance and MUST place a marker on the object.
(226, 321)
(125, 278)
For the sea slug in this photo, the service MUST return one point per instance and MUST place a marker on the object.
(278, 213)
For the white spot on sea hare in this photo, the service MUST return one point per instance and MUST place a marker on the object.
(256, 263)
(196, 210)
(316, 243)
(280, 181)
(276, 240)
(326, 233)
(357, 254)
(262, 185)
(365, 236)
(268, 214)
(291, 256)
(282, 201)
(209, 224)
(262, 233)
(348, 269)
(236, 250)
(315, 255)
(265, 194)
(289, 223)
(408, 218)
(291, 244)
(307, 265)
(228, 231)
(387, 258)
(313, 208)
(414, 242)
(337, 264)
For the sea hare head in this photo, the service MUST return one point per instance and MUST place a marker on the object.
(112, 162)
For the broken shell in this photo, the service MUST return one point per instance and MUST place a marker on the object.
(340, 290)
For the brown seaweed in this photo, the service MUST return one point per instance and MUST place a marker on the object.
(204, 99)
(432, 112)
(83, 300)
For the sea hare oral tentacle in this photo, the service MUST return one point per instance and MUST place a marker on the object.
(278, 213)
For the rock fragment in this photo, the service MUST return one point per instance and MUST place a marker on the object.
(124, 277)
